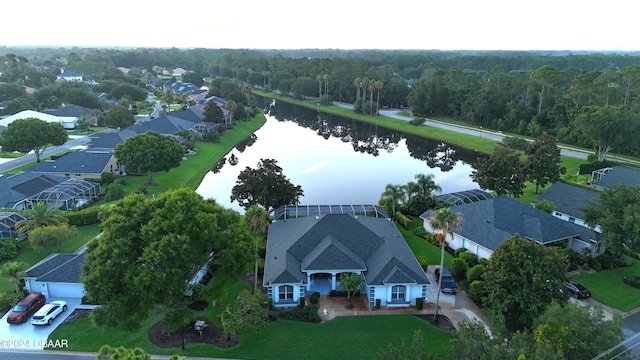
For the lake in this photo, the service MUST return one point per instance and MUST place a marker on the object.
(339, 161)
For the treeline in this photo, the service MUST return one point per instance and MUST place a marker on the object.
(584, 99)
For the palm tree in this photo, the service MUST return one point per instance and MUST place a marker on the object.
(371, 87)
(393, 193)
(378, 85)
(14, 271)
(358, 84)
(319, 78)
(168, 97)
(325, 77)
(40, 214)
(350, 283)
(410, 189)
(446, 221)
(427, 186)
(257, 219)
(231, 106)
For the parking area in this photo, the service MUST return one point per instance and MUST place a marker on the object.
(30, 337)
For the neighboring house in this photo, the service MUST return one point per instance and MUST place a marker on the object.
(57, 276)
(67, 122)
(66, 75)
(4, 104)
(568, 200)
(197, 95)
(8, 222)
(488, 223)
(20, 191)
(179, 72)
(82, 164)
(73, 111)
(617, 175)
(310, 253)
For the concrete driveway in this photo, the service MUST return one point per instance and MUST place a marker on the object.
(30, 337)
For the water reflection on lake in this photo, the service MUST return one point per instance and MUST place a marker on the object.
(338, 160)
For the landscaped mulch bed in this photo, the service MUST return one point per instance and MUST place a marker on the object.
(211, 335)
(443, 322)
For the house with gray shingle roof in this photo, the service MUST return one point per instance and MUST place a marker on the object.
(310, 253)
(57, 276)
(83, 164)
(17, 188)
(617, 175)
(568, 201)
(487, 223)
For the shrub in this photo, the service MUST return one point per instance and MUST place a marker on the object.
(315, 297)
(475, 273)
(121, 181)
(423, 261)
(84, 217)
(477, 291)
(544, 205)
(470, 258)
(432, 239)
(211, 137)
(8, 249)
(588, 168)
(419, 303)
(106, 177)
(141, 190)
(459, 268)
(403, 220)
(484, 262)
(417, 121)
(632, 281)
(115, 192)
(458, 251)
(302, 302)
(516, 143)
(8, 299)
(306, 314)
(378, 304)
(420, 231)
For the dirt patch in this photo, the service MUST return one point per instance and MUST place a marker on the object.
(78, 314)
(443, 322)
(211, 335)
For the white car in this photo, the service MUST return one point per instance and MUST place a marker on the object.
(49, 312)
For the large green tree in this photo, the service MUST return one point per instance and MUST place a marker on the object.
(213, 113)
(617, 211)
(32, 134)
(118, 117)
(247, 313)
(543, 161)
(266, 186)
(502, 172)
(150, 249)
(149, 152)
(522, 279)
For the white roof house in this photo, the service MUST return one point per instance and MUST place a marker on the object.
(67, 122)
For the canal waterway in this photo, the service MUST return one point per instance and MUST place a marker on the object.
(337, 160)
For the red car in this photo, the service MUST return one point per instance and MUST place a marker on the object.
(25, 308)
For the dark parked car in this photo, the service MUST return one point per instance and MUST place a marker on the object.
(577, 290)
(25, 308)
(448, 284)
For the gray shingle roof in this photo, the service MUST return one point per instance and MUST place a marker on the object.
(339, 242)
(75, 162)
(66, 268)
(69, 110)
(490, 222)
(625, 175)
(108, 139)
(568, 199)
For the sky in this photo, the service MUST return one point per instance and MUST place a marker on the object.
(326, 24)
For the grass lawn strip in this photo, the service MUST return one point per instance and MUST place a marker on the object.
(607, 287)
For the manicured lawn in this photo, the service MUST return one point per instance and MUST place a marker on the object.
(192, 170)
(607, 287)
(10, 155)
(420, 247)
(281, 340)
(32, 256)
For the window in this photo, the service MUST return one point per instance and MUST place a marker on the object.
(285, 293)
(572, 219)
(398, 293)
